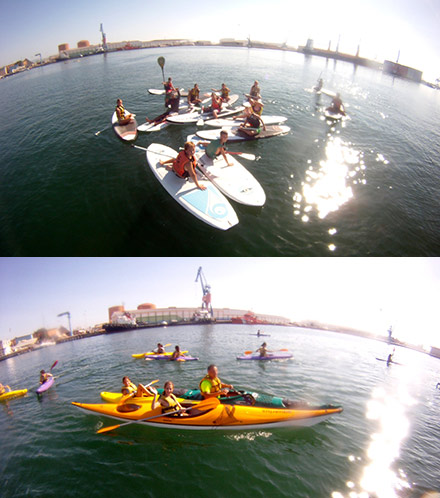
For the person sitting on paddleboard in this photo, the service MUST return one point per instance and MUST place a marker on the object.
(224, 92)
(215, 107)
(216, 147)
(336, 107)
(257, 106)
(211, 386)
(124, 117)
(262, 350)
(318, 86)
(44, 376)
(167, 401)
(184, 164)
(176, 354)
(252, 124)
(3, 389)
(173, 108)
(255, 90)
(129, 388)
(194, 95)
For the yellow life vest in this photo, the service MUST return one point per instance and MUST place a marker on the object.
(172, 403)
(131, 388)
(215, 384)
(121, 111)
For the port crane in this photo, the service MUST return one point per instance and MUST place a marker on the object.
(104, 39)
(206, 289)
(68, 315)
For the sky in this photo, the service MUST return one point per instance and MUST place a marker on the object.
(368, 294)
(381, 27)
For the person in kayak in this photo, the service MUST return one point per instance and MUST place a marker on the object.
(176, 354)
(211, 386)
(167, 401)
(184, 164)
(194, 95)
(124, 117)
(3, 389)
(160, 349)
(262, 350)
(224, 92)
(215, 107)
(129, 389)
(336, 107)
(390, 357)
(44, 376)
(216, 147)
(252, 124)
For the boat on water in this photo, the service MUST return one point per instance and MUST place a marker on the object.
(12, 394)
(219, 417)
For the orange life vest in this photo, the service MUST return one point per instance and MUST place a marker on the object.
(179, 163)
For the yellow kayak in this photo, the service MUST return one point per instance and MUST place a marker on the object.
(221, 417)
(116, 398)
(143, 355)
(13, 394)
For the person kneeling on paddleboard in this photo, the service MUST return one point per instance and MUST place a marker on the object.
(167, 401)
(123, 117)
(184, 165)
(211, 386)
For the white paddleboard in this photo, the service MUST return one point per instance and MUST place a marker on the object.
(229, 123)
(148, 127)
(193, 117)
(155, 91)
(126, 132)
(334, 116)
(233, 136)
(209, 205)
(234, 181)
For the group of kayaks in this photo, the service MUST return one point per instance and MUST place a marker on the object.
(220, 182)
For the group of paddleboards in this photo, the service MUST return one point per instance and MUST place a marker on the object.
(46, 382)
(217, 177)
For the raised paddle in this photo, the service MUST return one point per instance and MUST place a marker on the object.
(128, 396)
(55, 363)
(207, 404)
(161, 62)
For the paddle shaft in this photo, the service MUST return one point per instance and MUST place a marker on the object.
(208, 403)
(159, 153)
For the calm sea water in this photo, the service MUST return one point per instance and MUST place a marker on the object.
(384, 444)
(369, 186)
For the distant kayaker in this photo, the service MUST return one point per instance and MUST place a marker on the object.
(130, 389)
(167, 401)
(262, 350)
(336, 107)
(224, 92)
(390, 357)
(194, 95)
(160, 349)
(124, 117)
(3, 389)
(184, 164)
(217, 147)
(44, 376)
(211, 386)
(176, 354)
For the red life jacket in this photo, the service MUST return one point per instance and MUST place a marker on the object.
(179, 163)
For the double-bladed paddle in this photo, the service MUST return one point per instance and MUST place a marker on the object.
(207, 404)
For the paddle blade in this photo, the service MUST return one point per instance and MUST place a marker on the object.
(200, 122)
(248, 352)
(151, 383)
(108, 429)
(54, 364)
(161, 61)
